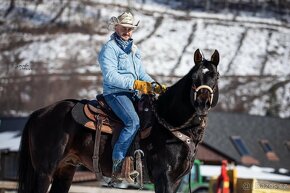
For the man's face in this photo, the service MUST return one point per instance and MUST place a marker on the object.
(124, 32)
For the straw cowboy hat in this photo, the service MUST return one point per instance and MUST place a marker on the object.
(126, 19)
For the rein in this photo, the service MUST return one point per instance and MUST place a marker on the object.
(171, 128)
(176, 130)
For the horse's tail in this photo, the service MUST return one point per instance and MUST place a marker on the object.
(26, 173)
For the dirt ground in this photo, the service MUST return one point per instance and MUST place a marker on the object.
(84, 189)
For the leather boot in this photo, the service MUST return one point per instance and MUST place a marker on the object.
(117, 171)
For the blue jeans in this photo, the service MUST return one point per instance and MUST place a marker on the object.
(122, 105)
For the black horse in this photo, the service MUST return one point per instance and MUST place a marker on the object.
(53, 144)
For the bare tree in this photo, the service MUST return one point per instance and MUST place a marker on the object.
(59, 13)
(10, 8)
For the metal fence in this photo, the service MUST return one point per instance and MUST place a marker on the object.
(8, 165)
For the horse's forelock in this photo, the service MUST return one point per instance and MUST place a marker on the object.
(204, 68)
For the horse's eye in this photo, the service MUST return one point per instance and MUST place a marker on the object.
(146, 109)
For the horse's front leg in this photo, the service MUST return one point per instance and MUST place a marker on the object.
(164, 183)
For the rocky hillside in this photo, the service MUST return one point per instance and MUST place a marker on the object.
(49, 51)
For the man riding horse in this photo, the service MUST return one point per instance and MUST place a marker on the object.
(123, 77)
(58, 138)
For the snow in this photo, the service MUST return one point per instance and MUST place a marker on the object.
(161, 53)
(59, 49)
(246, 172)
(167, 37)
(258, 106)
(279, 45)
(84, 93)
(10, 140)
(284, 98)
(145, 27)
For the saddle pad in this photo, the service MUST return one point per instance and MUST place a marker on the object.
(88, 120)
(78, 114)
(80, 117)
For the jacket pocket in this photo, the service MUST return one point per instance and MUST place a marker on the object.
(138, 56)
(122, 61)
(137, 59)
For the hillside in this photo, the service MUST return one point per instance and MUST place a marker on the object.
(49, 51)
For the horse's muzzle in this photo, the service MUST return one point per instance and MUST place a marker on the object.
(202, 95)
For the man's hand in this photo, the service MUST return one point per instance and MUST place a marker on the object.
(142, 86)
(159, 88)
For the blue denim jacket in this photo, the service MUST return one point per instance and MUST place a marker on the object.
(119, 69)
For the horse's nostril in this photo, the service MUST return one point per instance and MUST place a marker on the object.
(203, 97)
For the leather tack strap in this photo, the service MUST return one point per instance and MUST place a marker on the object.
(187, 140)
(191, 149)
(96, 155)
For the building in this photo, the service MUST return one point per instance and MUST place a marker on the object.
(239, 138)
(10, 134)
(249, 140)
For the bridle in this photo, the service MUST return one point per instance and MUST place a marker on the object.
(193, 95)
(195, 91)
(189, 124)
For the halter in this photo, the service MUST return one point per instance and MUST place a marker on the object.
(194, 92)
(188, 123)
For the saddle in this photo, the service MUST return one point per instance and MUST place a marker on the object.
(88, 112)
(98, 116)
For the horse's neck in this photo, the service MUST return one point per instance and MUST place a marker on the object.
(174, 106)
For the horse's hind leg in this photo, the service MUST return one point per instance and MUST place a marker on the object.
(62, 179)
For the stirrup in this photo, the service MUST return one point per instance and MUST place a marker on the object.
(132, 176)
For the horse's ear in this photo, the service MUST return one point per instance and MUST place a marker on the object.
(198, 56)
(215, 58)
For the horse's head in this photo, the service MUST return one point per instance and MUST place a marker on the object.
(204, 87)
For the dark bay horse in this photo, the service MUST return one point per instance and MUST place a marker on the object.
(53, 144)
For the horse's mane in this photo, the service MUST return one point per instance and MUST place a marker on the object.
(177, 95)
(178, 87)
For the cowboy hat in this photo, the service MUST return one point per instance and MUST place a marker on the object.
(126, 19)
